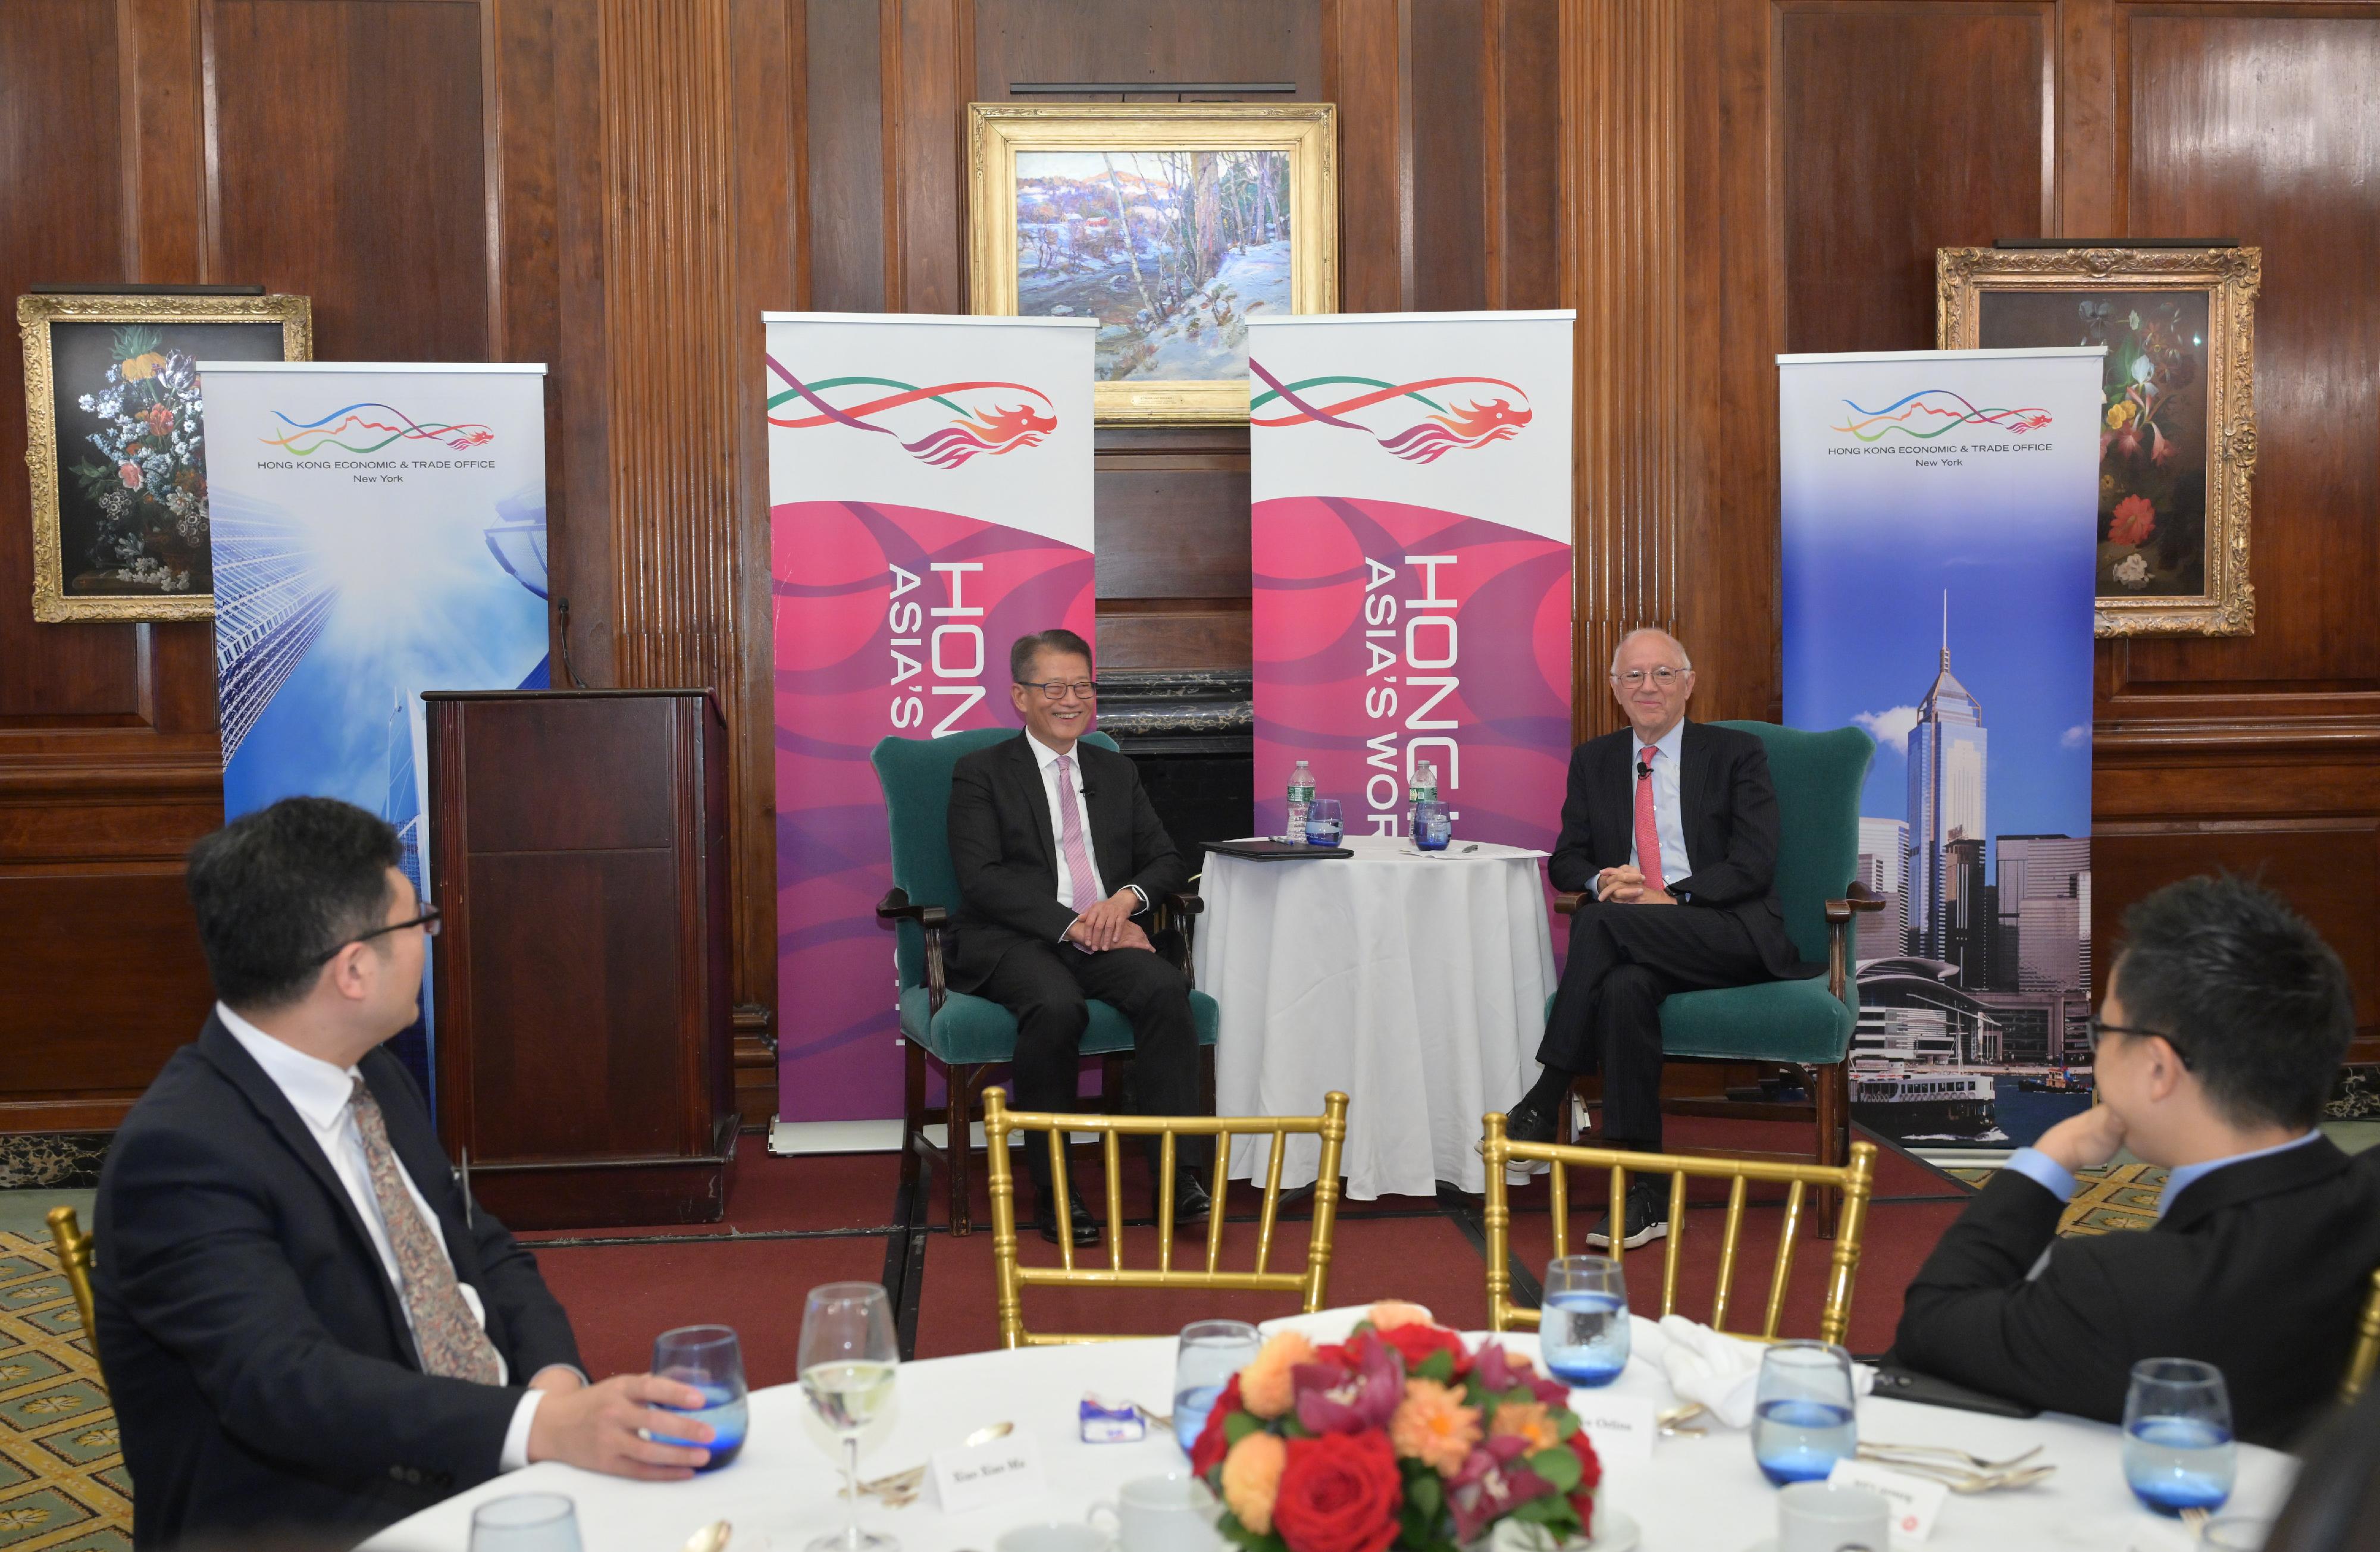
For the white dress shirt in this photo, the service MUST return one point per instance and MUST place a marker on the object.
(1071, 792)
(319, 1094)
(1667, 817)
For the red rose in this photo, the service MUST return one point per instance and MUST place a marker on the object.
(1417, 1342)
(1207, 1451)
(1340, 1493)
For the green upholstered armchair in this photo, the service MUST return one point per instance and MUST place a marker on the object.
(1803, 1024)
(962, 1034)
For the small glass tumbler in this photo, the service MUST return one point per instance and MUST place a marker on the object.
(710, 1359)
(1432, 829)
(1583, 1327)
(2177, 1447)
(1210, 1352)
(1805, 1417)
(1323, 826)
(526, 1523)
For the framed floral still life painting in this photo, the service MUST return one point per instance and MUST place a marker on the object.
(2178, 422)
(116, 441)
(1170, 224)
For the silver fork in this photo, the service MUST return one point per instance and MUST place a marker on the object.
(1977, 1461)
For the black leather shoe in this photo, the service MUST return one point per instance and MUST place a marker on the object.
(1191, 1203)
(1648, 1218)
(1085, 1228)
(1528, 1123)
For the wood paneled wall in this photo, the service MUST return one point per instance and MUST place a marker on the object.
(616, 186)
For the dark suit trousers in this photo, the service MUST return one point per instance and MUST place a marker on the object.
(1607, 1012)
(1046, 985)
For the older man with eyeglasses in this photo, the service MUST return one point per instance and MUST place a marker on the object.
(1059, 857)
(1672, 826)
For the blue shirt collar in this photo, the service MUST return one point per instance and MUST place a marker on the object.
(2187, 1175)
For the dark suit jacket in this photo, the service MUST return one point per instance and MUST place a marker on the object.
(1729, 809)
(1007, 858)
(2258, 1268)
(256, 1351)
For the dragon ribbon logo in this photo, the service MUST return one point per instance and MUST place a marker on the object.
(1475, 424)
(366, 422)
(1934, 412)
(979, 425)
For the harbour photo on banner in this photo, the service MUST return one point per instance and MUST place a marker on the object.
(379, 531)
(1937, 553)
(930, 490)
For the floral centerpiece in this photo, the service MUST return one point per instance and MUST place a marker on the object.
(1398, 1436)
(150, 487)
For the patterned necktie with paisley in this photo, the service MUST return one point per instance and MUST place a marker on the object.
(449, 1337)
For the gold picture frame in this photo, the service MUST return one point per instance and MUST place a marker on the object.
(120, 528)
(1172, 279)
(2178, 430)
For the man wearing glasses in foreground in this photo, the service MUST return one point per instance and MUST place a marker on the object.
(303, 1322)
(1059, 857)
(2224, 1022)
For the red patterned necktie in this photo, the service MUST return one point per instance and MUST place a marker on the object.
(1648, 829)
(1082, 884)
(450, 1340)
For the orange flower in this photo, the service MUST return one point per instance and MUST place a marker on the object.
(1264, 1384)
(1528, 1421)
(1432, 1426)
(1252, 1479)
(1389, 1313)
(141, 368)
(2131, 523)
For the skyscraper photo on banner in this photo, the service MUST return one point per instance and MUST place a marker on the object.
(930, 499)
(1939, 519)
(379, 531)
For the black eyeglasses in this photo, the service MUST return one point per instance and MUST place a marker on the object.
(1055, 689)
(428, 921)
(2098, 1027)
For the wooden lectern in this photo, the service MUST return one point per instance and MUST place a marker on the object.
(584, 1043)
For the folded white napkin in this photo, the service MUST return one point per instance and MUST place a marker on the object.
(1719, 1371)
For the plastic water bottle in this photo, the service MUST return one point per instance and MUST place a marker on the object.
(1422, 789)
(1301, 799)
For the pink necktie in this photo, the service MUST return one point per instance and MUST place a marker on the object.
(1648, 831)
(1082, 884)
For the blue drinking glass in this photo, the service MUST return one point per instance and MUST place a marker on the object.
(1432, 829)
(2177, 1447)
(1582, 1326)
(710, 1359)
(1210, 1352)
(1803, 1413)
(1323, 825)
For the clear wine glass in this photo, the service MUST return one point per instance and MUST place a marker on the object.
(847, 1360)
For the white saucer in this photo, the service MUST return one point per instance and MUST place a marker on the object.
(1615, 1531)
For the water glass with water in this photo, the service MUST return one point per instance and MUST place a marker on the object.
(1210, 1352)
(526, 1523)
(1432, 829)
(710, 1359)
(1582, 1326)
(2177, 1447)
(1803, 1413)
(1323, 825)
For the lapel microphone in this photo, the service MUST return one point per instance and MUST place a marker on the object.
(1643, 769)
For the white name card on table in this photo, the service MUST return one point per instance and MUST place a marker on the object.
(1915, 1500)
(1620, 1427)
(967, 1477)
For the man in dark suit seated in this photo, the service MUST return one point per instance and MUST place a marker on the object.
(1664, 813)
(304, 1323)
(1059, 857)
(2224, 1022)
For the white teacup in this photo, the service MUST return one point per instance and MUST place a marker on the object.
(1171, 1513)
(1055, 1535)
(1817, 1517)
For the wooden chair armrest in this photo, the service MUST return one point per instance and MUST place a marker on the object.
(1859, 900)
(1180, 910)
(1184, 901)
(1567, 902)
(934, 921)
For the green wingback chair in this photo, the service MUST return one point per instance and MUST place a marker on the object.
(962, 1034)
(1804, 1025)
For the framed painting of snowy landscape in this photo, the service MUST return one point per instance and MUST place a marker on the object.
(1170, 223)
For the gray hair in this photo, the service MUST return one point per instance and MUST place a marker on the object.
(1684, 660)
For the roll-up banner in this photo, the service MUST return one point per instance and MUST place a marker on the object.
(929, 489)
(1410, 552)
(1939, 531)
(379, 530)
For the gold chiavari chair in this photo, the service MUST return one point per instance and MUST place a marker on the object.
(1311, 1284)
(75, 1250)
(1856, 1181)
(2366, 1356)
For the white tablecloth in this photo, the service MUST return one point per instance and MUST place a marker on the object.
(1695, 1494)
(1414, 984)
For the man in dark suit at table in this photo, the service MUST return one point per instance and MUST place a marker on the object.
(1059, 857)
(305, 1326)
(2224, 1022)
(1664, 813)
